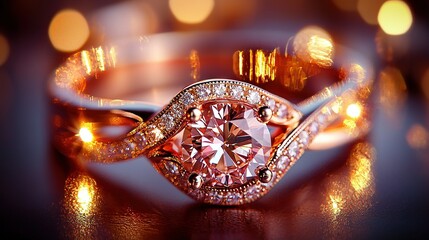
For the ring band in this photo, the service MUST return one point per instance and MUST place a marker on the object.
(224, 141)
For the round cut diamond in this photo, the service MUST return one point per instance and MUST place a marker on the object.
(220, 90)
(227, 145)
(254, 97)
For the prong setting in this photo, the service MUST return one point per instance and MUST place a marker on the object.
(264, 114)
(196, 181)
(194, 114)
(265, 175)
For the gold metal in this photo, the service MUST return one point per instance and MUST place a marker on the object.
(265, 175)
(265, 114)
(194, 114)
(195, 180)
(333, 116)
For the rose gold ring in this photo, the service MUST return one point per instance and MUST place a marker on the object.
(227, 139)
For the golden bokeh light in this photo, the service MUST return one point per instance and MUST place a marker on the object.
(191, 11)
(354, 110)
(395, 17)
(68, 30)
(368, 10)
(314, 45)
(418, 137)
(85, 134)
(4, 49)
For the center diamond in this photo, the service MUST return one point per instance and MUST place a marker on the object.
(227, 145)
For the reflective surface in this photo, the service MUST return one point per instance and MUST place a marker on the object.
(377, 187)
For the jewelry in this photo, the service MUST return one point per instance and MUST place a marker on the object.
(221, 141)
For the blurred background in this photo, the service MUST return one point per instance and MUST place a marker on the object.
(378, 187)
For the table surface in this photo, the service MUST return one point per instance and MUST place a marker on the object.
(328, 194)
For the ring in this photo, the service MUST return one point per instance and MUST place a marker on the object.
(215, 112)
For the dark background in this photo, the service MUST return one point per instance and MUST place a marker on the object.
(315, 201)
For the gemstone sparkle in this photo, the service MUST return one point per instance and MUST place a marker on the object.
(227, 145)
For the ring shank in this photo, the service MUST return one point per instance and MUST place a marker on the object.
(146, 73)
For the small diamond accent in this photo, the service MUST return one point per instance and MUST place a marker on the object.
(177, 110)
(171, 167)
(283, 162)
(167, 121)
(254, 97)
(187, 98)
(293, 149)
(220, 90)
(321, 118)
(304, 137)
(237, 92)
(140, 140)
(314, 127)
(282, 111)
(203, 92)
(155, 134)
(271, 103)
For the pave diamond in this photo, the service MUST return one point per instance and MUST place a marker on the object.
(203, 92)
(293, 149)
(254, 97)
(227, 145)
(237, 92)
(220, 90)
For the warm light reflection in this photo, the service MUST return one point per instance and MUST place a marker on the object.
(351, 192)
(362, 156)
(256, 65)
(354, 110)
(191, 11)
(4, 49)
(85, 134)
(68, 30)
(368, 10)
(395, 17)
(86, 61)
(194, 60)
(418, 137)
(84, 198)
(336, 204)
(314, 45)
(81, 206)
(392, 89)
(81, 194)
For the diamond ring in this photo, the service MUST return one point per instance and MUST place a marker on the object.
(227, 139)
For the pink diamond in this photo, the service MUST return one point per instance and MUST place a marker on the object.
(227, 145)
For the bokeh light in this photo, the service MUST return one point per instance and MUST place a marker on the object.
(313, 44)
(395, 17)
(68, 30)
(4, 49)
(417, 136)
(354, 110)
(85, 134)
(191, 11)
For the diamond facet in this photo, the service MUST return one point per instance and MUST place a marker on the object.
(227, 145)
